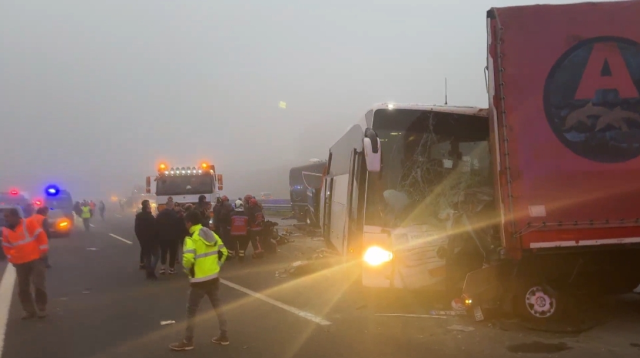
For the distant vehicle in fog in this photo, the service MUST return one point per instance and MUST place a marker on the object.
(266, 196)
(305, 183)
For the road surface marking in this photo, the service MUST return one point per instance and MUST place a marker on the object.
(300, 313)
(119, 215)
(6, 293)
(92, 225)
(121, 239)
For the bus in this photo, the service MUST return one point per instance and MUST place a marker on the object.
(393, 181)
(305, 183)
(185, 184)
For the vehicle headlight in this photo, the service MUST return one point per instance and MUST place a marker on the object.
(375, 256)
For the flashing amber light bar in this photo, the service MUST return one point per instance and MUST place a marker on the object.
(204, 168)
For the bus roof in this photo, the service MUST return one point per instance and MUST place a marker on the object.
(367, 120)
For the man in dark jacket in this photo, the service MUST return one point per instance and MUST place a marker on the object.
(147, 234)
(217, 210)
(203, 209)
(224, 220)
(170, 227)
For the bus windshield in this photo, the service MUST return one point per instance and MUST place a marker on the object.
(184, 185)
(428, 160)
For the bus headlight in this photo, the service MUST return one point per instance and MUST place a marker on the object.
(375, 256)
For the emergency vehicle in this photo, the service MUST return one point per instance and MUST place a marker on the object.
(185, 184)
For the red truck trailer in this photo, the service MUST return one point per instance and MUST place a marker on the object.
(564, 116)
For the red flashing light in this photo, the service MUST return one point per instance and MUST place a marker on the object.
(38, 202)
(14, 192)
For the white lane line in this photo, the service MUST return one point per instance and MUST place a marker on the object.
(121, 239)
(6, 293)
(294, 310)
(92, 225)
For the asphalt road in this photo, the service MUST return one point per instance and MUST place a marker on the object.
(101, 306)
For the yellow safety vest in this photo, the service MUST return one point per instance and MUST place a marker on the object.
(200, 253)
(86, 212)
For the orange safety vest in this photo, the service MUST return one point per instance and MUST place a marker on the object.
(258, 220)
(239, 224)
(27, 243)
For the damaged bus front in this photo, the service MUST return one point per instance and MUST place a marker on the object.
(406, 190)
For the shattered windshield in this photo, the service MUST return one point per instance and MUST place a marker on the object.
(184, 185)
(428, 160)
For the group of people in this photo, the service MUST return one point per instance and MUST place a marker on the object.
(25, 243)
(202, 257)
(85, 211)
(240, 225)
(160, 237)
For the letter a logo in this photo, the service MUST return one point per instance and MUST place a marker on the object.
(606, 69)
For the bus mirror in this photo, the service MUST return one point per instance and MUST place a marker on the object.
(372, 150)
(147, 188)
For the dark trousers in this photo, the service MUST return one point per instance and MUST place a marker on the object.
(170, 248)
(225, 234)
(197, 292)
(242, 242)
(255, 237)
(32, 272)
(151, 254)
(87, 226)
(141, 252)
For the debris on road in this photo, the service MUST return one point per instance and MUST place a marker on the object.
(87, 291)
(457, 327)
(313, 264)
(409, 315)
(164, 323)
(447, 313)
(92, 249)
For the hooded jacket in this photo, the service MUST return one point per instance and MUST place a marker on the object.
(203, 254)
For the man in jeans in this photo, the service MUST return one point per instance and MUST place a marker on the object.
(203, 255)
(25, 244)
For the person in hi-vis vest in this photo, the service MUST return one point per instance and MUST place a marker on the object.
(86, 214)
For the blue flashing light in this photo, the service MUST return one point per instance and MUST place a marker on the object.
(52, 190)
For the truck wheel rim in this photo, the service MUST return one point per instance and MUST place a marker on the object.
(539, 303)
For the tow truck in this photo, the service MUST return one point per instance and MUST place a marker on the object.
(185, 184)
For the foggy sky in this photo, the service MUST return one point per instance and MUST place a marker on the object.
(94, 94)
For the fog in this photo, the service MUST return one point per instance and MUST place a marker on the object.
(94, 94)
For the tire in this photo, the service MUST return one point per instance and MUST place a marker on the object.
(536, 302)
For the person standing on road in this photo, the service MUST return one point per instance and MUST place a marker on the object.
(239, 232)
(40, 217)
(25, 244)
(256, 221)
(226, 209)
(147, 234)
(217, 209)
(203, 208)
(86, 214)
(204, 254)
(101, 208)
(170, 228)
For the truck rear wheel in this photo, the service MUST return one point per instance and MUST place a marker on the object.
(537, 302)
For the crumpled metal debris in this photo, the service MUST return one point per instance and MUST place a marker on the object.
(164, 323)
